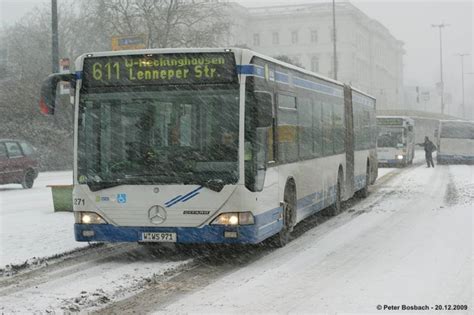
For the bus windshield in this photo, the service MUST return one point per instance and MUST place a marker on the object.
(390, 137)
(173, 135)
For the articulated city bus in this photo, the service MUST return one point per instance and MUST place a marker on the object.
(455, 142)
(396, 140)
(210, 145)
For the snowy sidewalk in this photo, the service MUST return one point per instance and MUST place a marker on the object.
(29, 226)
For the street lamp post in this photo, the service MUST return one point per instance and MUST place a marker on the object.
(334, 37)
(462, 80)
(54, 39)
(441, 26)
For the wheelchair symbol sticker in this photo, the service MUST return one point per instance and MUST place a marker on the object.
(122, 198)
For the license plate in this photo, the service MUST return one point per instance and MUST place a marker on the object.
(158, 237)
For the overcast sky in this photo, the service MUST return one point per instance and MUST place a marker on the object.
(409, 21)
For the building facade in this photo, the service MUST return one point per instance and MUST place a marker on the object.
(368, 56)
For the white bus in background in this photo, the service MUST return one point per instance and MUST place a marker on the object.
(455, 142)
(396, 140)
(210, 145)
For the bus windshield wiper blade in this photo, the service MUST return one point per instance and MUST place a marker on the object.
(153, 179)
(95, 186)
(213, 184)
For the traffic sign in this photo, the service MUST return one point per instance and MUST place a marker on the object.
(128, 42)
(64, 67)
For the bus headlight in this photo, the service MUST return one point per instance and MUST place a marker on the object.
(88, 218)
(399, 157)
(234, 218)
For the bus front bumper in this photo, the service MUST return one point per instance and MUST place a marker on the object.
(454, 159)
(214, 234)
(392, 162)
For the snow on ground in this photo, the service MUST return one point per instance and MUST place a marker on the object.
(29, 226)
(89, 285)
(384, 171)
(413, 246)
(419, 158)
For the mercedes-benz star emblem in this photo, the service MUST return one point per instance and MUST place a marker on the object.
(157, 215)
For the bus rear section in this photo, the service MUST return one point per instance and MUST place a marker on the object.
(396, 141)
(455, 142)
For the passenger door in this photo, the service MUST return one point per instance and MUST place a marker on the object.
(349, 142)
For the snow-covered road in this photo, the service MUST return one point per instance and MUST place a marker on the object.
(410, 243)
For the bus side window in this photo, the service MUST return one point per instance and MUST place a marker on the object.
(317, 129)
(358, 127)
(339, 128)
(305, 132)
(328, 129)
(286, 130)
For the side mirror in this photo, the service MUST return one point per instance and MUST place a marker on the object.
(410, 128)
(47, 101)
(264, 104)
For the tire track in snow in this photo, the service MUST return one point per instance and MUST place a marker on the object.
(54, 268)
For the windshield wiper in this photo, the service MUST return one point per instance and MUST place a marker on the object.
(95, 186)
(213, 184)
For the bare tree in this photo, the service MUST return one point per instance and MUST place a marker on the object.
(167, 23)
(87, 26)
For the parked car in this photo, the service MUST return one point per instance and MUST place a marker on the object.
(18, 163)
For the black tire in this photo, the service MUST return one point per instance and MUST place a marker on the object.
(364, 192)
(336, 207)
(289, 216)
(28, 179)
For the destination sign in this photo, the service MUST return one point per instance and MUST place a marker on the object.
(390, 121)
(159, 69)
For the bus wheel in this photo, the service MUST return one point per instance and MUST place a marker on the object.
(289, 216)
(335, 208)
(364, 192)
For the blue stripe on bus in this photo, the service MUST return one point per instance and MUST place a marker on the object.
(190, 196)
(245, 69)
(184, 198)
(251, 70)
(310, 85)
(174, 199)
(284, 78)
